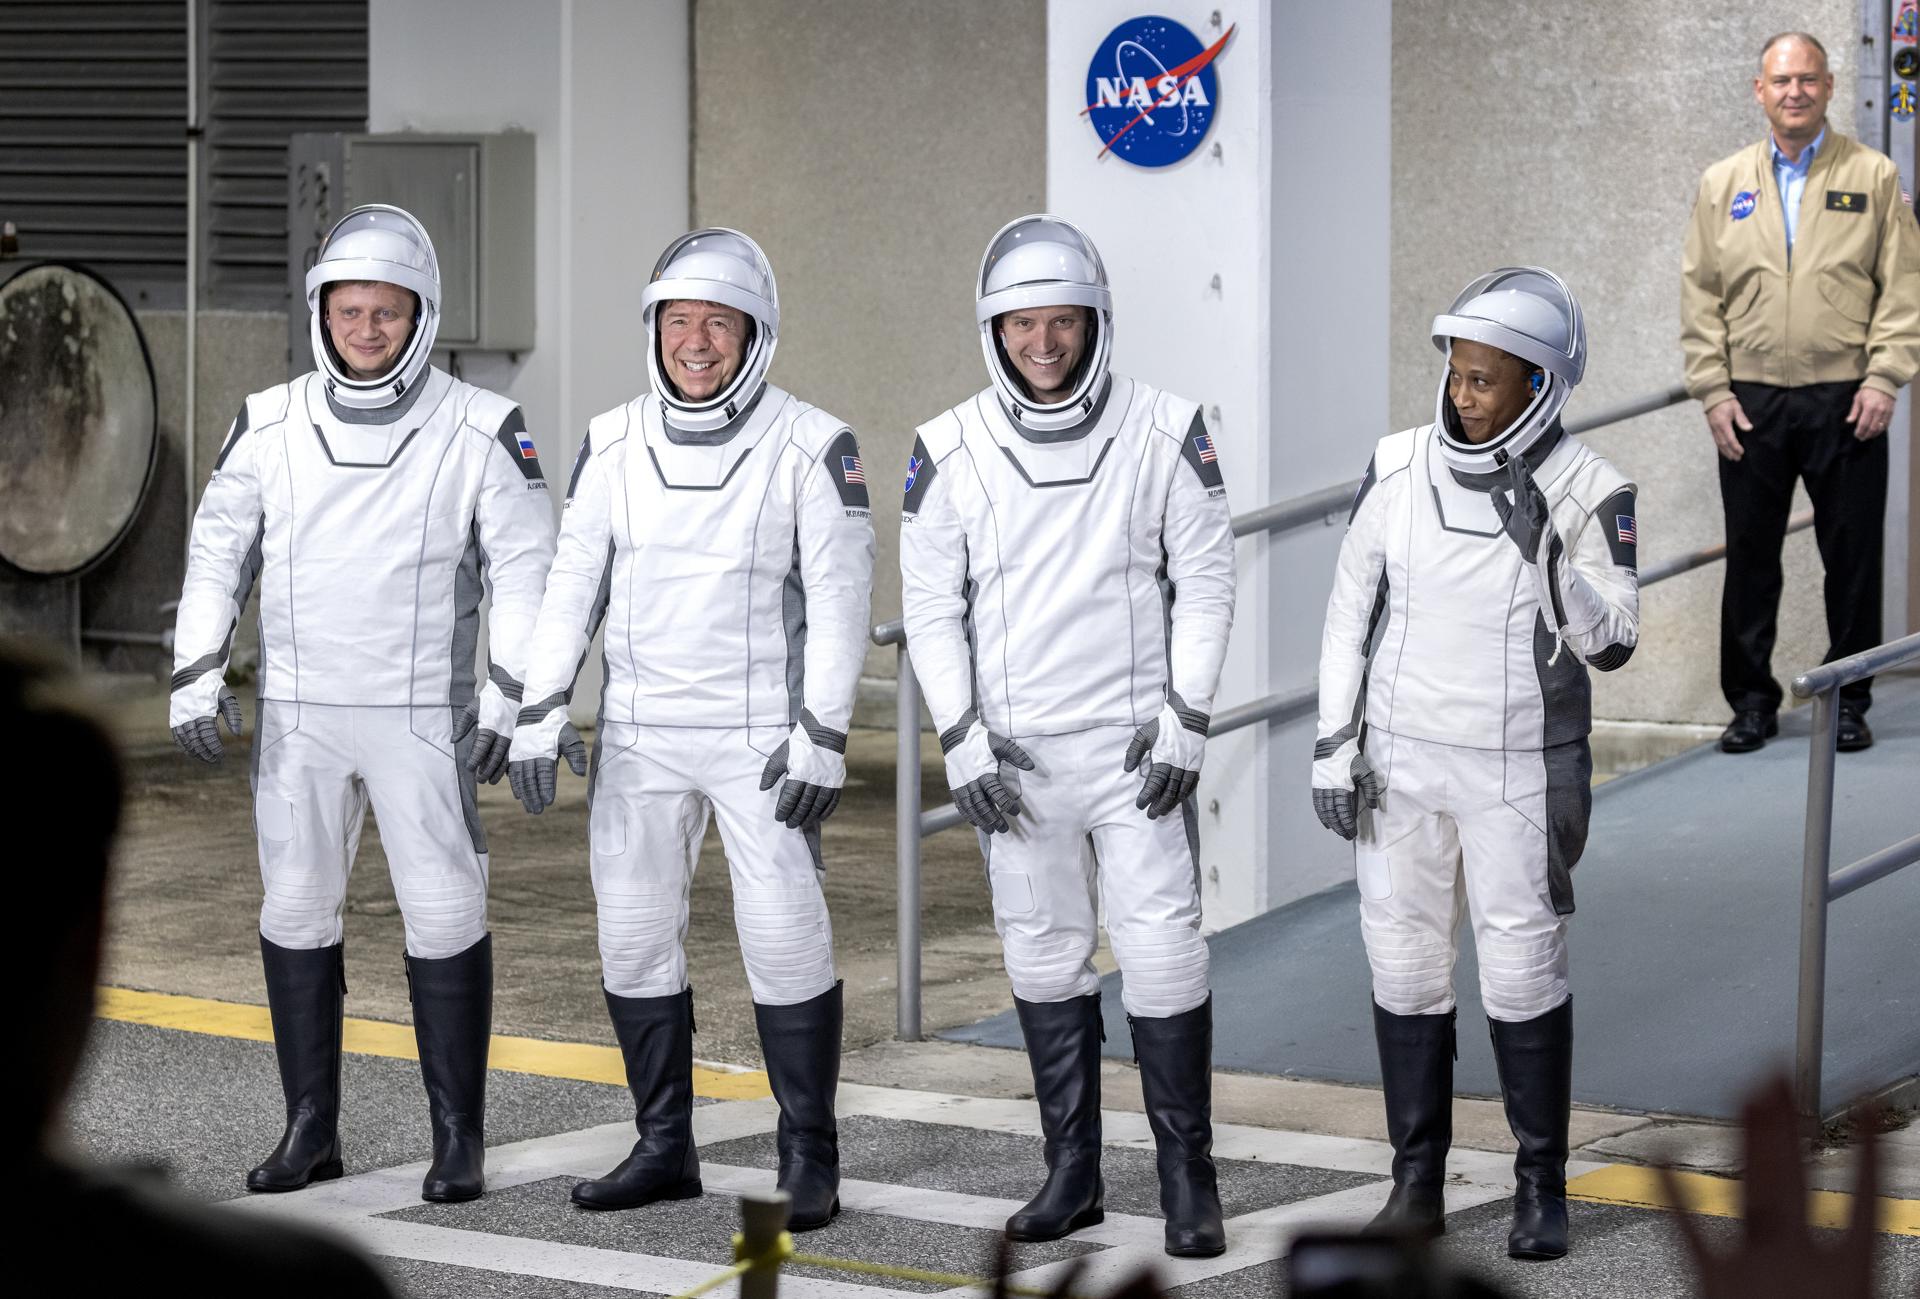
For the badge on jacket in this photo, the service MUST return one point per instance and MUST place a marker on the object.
(1839, 200)
(1743, 204)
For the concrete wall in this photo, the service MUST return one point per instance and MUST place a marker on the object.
(872, 147)
(1574, 136)
(239, 352)
(604, 86)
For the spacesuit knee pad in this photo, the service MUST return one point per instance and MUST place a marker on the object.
(1522, 977)
(1051, 967)
(786, 942)
(1412, 969)
(301, 911)
(1163, 972)
(640, 949)
(444, 914)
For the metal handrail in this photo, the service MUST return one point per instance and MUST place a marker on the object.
(1820, 885)
(911, 824)
(1667, 568)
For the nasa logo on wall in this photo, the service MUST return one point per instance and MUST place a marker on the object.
(1152, 91)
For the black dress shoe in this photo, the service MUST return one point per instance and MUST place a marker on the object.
(1749, 730)
(1854, 733)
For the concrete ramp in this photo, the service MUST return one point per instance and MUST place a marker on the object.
(1685, 944)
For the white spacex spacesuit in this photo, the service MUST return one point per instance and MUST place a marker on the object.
(1067, 575)
(729, 546)
(374, 515)
(1454, 694)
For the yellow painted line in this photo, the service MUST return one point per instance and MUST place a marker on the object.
(580, 1061)
(1720, 1197)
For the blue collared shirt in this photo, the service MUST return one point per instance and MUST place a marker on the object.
(1790, 178)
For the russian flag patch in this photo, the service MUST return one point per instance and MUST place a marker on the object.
(526, 448)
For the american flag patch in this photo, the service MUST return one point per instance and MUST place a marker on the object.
(852, 470)
(1623, 524)
(526, 448)
(1203, 443)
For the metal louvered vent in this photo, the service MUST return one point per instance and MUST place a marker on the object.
(274, 67)
(93, 158)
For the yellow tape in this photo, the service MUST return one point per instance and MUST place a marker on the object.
(1720, 1197)
(580, 1061)
(738, 1269)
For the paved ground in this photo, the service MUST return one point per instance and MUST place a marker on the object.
(1684, 947)
(929, 1176)
(186, 900)
(941, 1138)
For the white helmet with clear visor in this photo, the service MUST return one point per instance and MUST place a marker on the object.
(1042, 261)
(388, 246)
(1529, 313)
(723, 266)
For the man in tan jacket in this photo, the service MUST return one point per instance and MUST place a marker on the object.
(1800, 321)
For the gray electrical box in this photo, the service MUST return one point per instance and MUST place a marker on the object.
(473, 193)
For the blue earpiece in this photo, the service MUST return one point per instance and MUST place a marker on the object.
(1534, 381)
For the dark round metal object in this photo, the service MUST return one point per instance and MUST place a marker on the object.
(79, 419)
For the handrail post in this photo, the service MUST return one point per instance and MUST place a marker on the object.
(906, 839)
(1813, 906)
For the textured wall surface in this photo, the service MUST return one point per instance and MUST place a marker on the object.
(871, 147)
(239, 352)
(1574, 137)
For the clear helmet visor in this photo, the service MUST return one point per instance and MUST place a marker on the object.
(1529, 313)
(1033, 263)
(382, 245)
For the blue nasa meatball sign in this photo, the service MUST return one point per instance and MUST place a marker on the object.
(1151, 91)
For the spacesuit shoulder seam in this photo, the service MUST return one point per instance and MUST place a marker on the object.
(942, 435)
(269, 406)
(1393, 454)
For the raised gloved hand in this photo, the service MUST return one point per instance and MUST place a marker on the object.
(1343, 782)
(1177, 741)
(1523, 508)
(531, 769)
(813, 759)
(200, 738)
(494, 713)
(973, 774)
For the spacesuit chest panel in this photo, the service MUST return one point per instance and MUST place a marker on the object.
(704, 539)
(1460, 617)
(364, 527)
(1065, 544)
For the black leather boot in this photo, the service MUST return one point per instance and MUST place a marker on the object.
(305, 989)
(1063, 1047)
(1416, 1076)
(656, 1040)
(453, 1026)
(1535, 1059)
(1176, 1078)
(802, 1046)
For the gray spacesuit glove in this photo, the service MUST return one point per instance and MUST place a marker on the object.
(974, 755)
(1177, 740)
(199, 738)
(1343, 783)
(1525, 516)
(531, 770)
(813, 759)
(494, 713)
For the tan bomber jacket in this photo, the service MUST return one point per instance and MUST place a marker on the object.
(1847, 308)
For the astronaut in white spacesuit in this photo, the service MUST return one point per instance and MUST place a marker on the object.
(1488, 563)
(721, 527)
(1067, 575)
(374, 500)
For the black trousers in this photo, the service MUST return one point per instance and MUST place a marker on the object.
(1800, 432)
